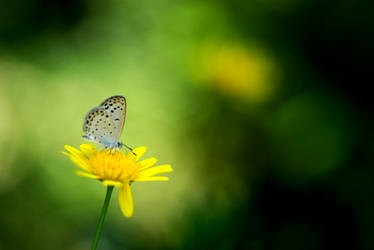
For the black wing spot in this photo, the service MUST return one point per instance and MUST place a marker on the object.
(107, 116)
(112, 111)
(117, 119)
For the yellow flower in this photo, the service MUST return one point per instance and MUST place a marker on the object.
(245, 73)
(116, 168)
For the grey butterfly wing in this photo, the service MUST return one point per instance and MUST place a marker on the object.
(98, 126)
(116, 107)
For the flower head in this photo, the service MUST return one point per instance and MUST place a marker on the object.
(245, 73)
(116, 168)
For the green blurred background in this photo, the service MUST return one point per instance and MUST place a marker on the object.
(262, 107)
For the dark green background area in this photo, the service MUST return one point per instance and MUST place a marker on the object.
(263, 109)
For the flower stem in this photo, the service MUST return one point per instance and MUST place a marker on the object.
(102, 217)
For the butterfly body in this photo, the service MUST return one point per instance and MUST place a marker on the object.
(104, 124)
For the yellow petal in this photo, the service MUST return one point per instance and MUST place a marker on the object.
(74, 151)
(65, 153)
(88, 149)
(156, 170)
(126, 202)
(147, 163)
(112, 183)
(152, 178)
(80, 162)
(88, 175)
(138, 152)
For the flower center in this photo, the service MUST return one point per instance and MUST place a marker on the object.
(114, 166)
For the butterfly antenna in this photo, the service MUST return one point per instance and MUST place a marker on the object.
(124, 145)
(128, 147)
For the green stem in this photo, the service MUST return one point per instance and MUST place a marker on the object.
(102, 217)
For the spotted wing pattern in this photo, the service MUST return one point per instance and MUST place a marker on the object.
(116, 107)
(98, 126)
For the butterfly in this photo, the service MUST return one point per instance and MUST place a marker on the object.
(104, 124)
